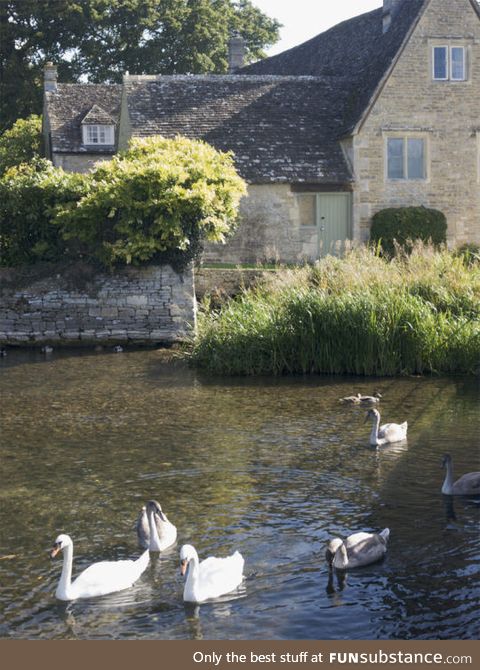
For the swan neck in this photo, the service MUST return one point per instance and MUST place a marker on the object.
(154, 538)
(341, 557)
(448, 482)
(66, 576)
(374, 433)
(192, 573)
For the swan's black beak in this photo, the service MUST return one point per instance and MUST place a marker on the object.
(183, 567)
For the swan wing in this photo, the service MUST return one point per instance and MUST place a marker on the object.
(167, 532)
(393, 432)
(220, 575)
(354, 539)
(368, 550)
(108, 577)
(468, 484)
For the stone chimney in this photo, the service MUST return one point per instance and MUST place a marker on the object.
(236, 53)
(390, 8)
(50, 78)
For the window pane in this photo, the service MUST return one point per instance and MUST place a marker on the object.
(458, 63)
(416, 159)
(307, 209)
(440, 62)
(395, 158)
(91, 134)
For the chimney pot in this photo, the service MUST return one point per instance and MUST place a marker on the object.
(390, 8)
(236, 53)
(50, 78)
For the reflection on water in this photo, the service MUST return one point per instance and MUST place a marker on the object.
(272, 467)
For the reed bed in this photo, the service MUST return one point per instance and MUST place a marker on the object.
(362, 314)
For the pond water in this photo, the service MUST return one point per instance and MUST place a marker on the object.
(272, 467)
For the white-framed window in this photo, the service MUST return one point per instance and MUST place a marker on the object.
(406, 157)
(449, 63)
(98, 134)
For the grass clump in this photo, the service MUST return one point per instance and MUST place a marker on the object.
(362, 314)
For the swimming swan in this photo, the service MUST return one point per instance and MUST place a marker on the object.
(389, 432)
(155, 532)
(466, 485)
(357, 550)
(360, 399)
(212, 577)
(99, 578)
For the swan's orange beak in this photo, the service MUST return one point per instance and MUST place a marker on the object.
(55, 550)
(183, 567)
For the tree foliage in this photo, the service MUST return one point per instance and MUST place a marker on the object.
(101, 39)
(21, 143)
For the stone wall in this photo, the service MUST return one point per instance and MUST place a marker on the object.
(269, 230)
(81, 162)
(445, 113)
(138, 305)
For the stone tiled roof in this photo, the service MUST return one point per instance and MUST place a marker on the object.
(355, 54)
(280, 129)
(282, 117)
(69, 106)
(97, 115)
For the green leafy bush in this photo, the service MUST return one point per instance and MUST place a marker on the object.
(29, 196)
(159, 200)
(21, 143)
(404, 225)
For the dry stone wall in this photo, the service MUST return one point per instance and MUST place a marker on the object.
(138, 305)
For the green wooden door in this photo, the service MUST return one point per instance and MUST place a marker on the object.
(334, 222)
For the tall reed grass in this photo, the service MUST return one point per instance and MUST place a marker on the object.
(362, 314)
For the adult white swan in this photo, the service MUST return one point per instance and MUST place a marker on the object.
(99, 578)
(155, 532)
(466, 485)
(212, 577)
(389, 432)
(357, 550)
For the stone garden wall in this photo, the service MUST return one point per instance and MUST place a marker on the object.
(138, 305)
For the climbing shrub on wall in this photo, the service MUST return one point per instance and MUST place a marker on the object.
(29, 195)
(404, 225)
(159, 200)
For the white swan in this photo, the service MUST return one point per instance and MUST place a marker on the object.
(389, 432)
(371, 399)
(352, 399)
(466, 485)
(212, 577)
(99, 578)
(155, 532)
(357, 550)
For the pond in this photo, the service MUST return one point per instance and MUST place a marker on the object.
(271, 467)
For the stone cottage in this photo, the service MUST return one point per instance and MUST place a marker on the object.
(382, 110)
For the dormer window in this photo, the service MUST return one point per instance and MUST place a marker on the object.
(98, 128)
(449, 63)
(97, 134)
